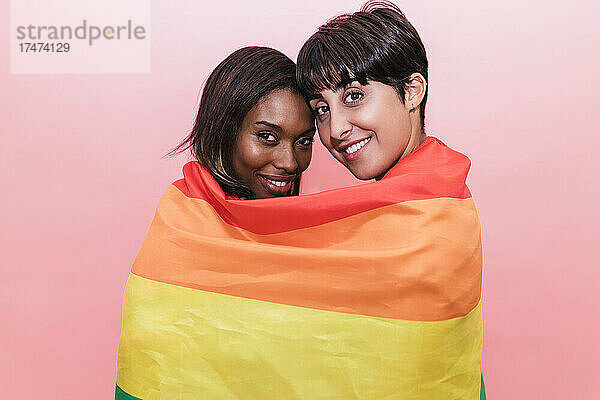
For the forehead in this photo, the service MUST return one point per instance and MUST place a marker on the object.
(284, 108)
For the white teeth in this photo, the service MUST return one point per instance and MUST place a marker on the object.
(357, 146)
(277, 183)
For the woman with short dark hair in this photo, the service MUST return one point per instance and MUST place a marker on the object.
(365, 77)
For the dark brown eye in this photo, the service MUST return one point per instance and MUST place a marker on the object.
(321, 110)
(267, 136)
(306, 141)
(353, 96)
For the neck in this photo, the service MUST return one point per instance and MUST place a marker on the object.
(417, 137)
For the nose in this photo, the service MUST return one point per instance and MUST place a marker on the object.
(339, 125)
(285, 159)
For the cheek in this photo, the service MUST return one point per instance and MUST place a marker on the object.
(371, 118)
(303, 158)
(247, 157)
(390, 125)
(323, 131)
(257, 156)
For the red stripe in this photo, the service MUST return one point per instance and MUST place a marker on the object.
(431, 171)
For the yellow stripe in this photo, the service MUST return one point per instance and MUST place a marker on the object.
(182, 343)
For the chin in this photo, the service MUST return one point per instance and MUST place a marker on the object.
(364, 174)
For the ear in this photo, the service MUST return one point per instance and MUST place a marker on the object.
(415, 91)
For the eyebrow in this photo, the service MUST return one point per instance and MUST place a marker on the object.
(340, 85)
(269, 124)
(275, 126)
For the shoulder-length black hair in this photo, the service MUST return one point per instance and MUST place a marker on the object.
(232, 89)
(376, 43)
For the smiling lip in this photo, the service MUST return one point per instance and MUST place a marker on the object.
(277, 185)
(352, 156)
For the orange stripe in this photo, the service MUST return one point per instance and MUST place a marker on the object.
(430, 171)
(417, 260)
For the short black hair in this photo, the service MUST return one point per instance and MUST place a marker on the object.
(376, 43)
(232, 89)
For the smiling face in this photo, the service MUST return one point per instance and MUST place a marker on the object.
(366, 127)
(274, 145)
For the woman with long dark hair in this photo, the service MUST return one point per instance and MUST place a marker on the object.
(252, 139)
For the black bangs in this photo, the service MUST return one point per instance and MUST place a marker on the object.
(330, 62)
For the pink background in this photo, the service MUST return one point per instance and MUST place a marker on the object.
(513, 84)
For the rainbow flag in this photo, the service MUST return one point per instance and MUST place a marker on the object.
(367, 292)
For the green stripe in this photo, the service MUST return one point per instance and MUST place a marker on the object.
(482, 392)
(121, 395)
